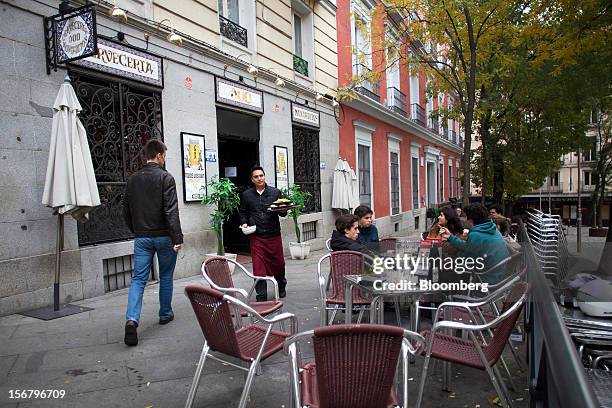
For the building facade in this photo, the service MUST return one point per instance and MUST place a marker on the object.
(406, 158)
(227, 84)
(559, 192)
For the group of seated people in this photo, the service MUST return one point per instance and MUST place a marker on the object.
(482, 233)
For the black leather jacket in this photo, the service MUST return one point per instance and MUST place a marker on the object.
(254, 211)
(150, 206)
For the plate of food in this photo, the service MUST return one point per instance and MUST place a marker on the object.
(281, 205)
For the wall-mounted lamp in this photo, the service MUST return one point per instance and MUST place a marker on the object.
(279, 81)
(335, 103)
(251, 69)
(118, 13)
(173, 37)
(319, 96)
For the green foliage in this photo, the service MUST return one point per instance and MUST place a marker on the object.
(298, 197)
(432, 212)
(224, 196)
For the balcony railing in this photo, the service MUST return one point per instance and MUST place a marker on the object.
(233, 31)
(588, 187)
(452, 136)
(300, 65)
(417, 114)
(396, 100)
(366, 87)
(434, 125)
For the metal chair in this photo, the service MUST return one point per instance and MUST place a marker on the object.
(328, 244)
(354, 366)
(216, 273)
(250, 343)
(476, 352)
(341, 263)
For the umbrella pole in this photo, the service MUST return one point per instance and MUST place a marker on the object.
(59, 247)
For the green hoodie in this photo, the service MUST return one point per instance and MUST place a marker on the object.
(484, 240)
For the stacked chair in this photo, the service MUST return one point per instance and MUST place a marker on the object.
(550, 246)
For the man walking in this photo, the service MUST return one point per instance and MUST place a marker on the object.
(151, 212)
(266, 242)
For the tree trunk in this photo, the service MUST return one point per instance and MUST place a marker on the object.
(485, 133)
(604, 270)
(498, 176)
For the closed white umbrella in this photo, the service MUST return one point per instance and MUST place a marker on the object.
(70, 183)
(340, 188)
(353, 188)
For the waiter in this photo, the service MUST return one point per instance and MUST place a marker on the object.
(266, 242)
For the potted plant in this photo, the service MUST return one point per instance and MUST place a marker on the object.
(223, 195)
(299, 249)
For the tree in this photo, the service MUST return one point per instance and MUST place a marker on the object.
(602, 172)
(448, 39)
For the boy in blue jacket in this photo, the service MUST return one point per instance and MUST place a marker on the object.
(484, 240)
(368, 234)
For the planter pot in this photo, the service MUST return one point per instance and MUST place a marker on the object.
(299, 250)
(598, 232)
(228, 256)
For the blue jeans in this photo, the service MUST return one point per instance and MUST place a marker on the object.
(144, 249)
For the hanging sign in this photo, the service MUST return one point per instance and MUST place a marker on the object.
(70, 36)
(128, 62)
(304, 115)
(235, 94)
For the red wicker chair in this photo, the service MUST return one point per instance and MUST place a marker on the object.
(341, 263)
(354, 366)
(217, 274)
(387, 244)
(475, 352)
(251, 343)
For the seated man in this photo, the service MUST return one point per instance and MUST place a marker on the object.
(483, 241)
(345, 235)
(368, 233)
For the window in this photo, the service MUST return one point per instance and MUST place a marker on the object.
(554, 179)
(297, 35)
(458, 181)
(441, 181)
(589, 154)
(119, 119)
(588, 180)
(306, 165)
(395, 182)
(364, 169)
(450, 180)
(230, 9)
(237, 24)
(309, 230)
(415, 182)
(303, 39)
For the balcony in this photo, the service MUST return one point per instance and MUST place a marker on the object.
(396, 100)
(300, 65)
(417, 114)
(233, 31)
(548, 189)
(366, 87)
(434, 125)
(587, 187)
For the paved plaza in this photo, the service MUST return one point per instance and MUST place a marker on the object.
(84, 354)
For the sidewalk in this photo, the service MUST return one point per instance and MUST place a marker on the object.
(84, 355)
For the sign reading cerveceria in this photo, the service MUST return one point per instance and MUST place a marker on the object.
(128, 62)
